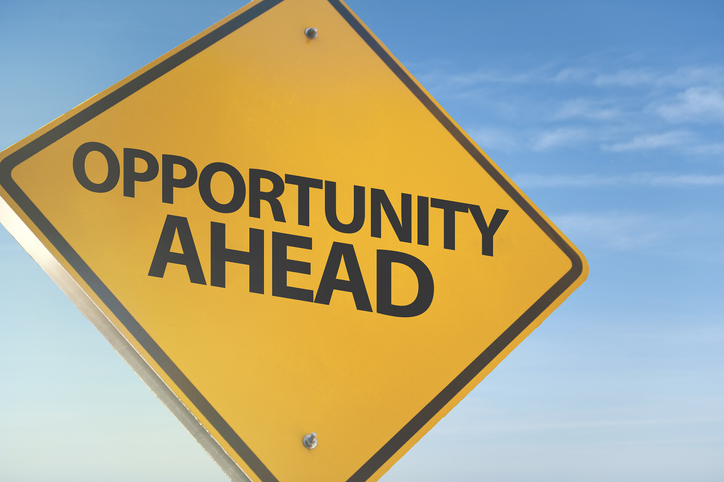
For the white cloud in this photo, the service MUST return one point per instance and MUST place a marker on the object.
(572, 74)
(683, 77)
(708, 149)
(627, 78)
(559, 137)
(589, 107)
(491, 138)
(527, 181)
(679, 180)
(651, 141)
(478, 77)
(690, 76)
(619, 231)
(691, 235)
(682, 141)
(586, 109)
(698, 104)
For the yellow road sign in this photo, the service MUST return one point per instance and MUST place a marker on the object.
(284, 234)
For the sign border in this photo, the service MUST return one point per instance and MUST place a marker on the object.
(83, 300)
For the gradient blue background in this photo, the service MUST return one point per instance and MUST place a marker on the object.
(608, 114)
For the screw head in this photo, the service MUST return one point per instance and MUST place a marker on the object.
(310, 440)
(311, 33)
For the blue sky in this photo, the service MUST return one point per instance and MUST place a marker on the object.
(608, 114)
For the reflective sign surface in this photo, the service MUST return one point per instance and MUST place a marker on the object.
(286, 235)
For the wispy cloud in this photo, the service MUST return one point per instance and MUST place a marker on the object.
(708, 149)
(691, 235)
(527, 181)
(571, 74)
(627, 78)
(590, 107)
(493, 138)
(689, 76)
(558, 137)
(684, 142)
(651, 141)
(620, 231)
(483, 76)
(697, 104)
(586, 109)
(683, 77)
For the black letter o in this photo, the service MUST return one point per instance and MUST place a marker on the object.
(237, 200)
(114, 167)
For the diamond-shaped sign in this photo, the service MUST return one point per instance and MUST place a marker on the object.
(284, 234)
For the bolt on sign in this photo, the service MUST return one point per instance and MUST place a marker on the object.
(289, 240)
